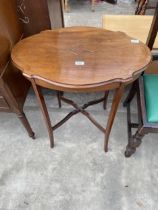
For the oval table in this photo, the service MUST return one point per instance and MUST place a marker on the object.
(81, 59)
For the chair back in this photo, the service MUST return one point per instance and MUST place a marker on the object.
(152, 36)
(132, 25)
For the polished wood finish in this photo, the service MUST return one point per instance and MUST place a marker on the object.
(49, 60)
(58, 51)
(9, 24)
(132, 25)
(13, 86)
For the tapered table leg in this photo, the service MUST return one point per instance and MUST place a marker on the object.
(106, 99)
(115, 103)
(44, 110)
(26, 124)
(59, 94)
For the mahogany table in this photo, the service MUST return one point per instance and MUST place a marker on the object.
(81, 59)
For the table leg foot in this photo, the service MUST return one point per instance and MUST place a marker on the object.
(106, 147)
(52, 143)
(129, 151)
(26, 124)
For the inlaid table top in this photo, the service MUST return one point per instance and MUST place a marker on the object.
(80, 56)
(80, 59)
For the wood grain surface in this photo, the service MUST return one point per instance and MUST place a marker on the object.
(107, 56)
(4, 52)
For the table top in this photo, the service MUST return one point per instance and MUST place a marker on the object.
(79, 57)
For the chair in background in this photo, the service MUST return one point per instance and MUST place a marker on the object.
(132, 25)
(142, 6)
(66, 5)
(145, 88)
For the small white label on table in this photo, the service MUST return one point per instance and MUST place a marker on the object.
(135, 41)
(79, 63)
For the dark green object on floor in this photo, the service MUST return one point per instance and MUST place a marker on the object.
(151, 96)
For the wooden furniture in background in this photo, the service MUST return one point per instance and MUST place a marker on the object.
(80, 59)
(13, 86)
(144, 5)
(38, 15)
(34, 16)
(66, 5)
(136, 26)
(143, 126)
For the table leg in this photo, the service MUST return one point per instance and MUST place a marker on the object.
(115, 103)
(24, 121)
(106, 94)
(93, 5)
(59, 94)
(44, 110)
(67, 5)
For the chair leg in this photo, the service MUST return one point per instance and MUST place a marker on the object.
(134, 142)
(141, 8)
(138, 8)
(131, 94)
(26, 124)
